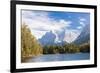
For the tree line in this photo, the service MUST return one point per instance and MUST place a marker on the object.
(31, 47)
(66, 48)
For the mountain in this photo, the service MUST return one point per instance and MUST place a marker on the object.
(53, 38)
(66, 36)
(84, 37)
(70, 36)
(48, 38)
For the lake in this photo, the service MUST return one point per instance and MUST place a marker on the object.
(60, 57)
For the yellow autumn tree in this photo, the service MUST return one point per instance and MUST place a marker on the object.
(29, 45)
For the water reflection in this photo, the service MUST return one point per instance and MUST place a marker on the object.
(60, 57)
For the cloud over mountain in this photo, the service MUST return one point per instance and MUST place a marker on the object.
(41, 22)
(65, 26)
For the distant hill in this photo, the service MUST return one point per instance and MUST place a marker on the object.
(84, 37)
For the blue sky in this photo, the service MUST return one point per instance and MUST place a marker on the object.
(41, 22)
(71, 16)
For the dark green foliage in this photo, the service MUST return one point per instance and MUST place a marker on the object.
(71, 48)
(61, 49)
(66, 48)
(85, 47)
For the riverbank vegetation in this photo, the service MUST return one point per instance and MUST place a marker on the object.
(66, 48)
(30, 47)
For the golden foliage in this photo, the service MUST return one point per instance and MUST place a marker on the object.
(29, 45)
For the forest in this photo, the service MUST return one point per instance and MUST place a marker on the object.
(30, 46)
(66, 48)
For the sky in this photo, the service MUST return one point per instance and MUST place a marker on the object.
(41, 22)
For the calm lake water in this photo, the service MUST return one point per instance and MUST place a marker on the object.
(60, 57)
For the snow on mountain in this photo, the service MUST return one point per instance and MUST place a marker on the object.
(71, 36)
(59, 37)
(68, 36)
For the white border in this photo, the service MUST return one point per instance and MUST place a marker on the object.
(20, 65)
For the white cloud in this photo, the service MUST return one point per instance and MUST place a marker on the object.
(38, 33)
(82, 19)
(82, 23)
(79, 27)
(38, 21)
